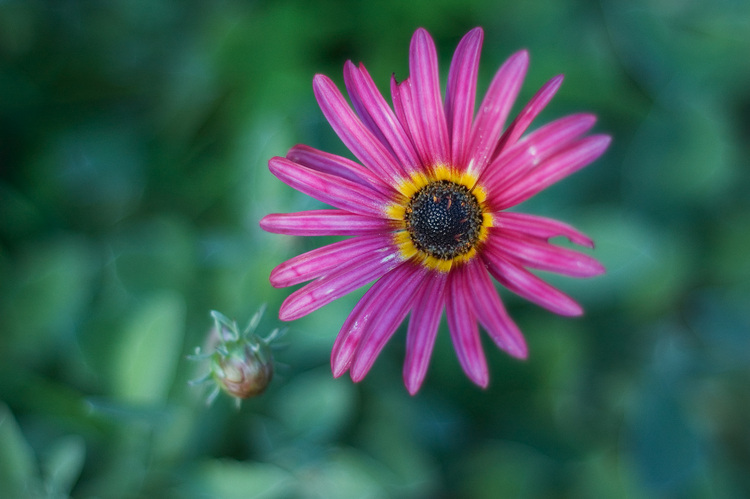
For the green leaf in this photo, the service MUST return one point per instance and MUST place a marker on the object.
(345, 473)
(45, 293)
(19, 475)
(144, 365)
(63, 464)
(505, 469)
(232, 479)
(314, 405)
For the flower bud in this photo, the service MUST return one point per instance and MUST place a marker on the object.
(244, 369)
(241, 364)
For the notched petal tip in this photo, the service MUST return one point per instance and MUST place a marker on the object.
(339, 368)
(583, 240)
(341, 354)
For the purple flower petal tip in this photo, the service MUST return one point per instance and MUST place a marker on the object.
(290, 311)
(521, 57)
(520, 351)
(266, 224)
(339, 370)
(480, 378)
(412, 384)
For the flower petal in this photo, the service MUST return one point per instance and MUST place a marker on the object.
(527, 114)
(360, 108)
(319, 261)
(370, 102)
(403, 105)
(575, 157)
(423, 328)
(521, 158)
(353, 133)
(336, 165)
(494, 110)
(423, 70)
(542, 255)
(528, 286)
(361, 319)
(461, 92)
(544, 228)
(338, 283)
(335, 191)
(351, 333)
(323, 223)
(393, 302)
(463, 327)
(491, 312)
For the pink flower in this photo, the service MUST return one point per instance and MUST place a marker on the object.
(426, 207)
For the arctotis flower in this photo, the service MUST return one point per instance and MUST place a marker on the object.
(426, 206)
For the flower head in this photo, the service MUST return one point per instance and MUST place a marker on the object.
(426, 206)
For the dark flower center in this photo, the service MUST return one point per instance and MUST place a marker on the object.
(444, 219)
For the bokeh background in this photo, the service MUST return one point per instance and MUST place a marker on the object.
(134, 137)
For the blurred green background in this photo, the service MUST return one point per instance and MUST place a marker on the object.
(133, 148)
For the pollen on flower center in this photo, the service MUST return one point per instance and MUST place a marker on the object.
(444, 219)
